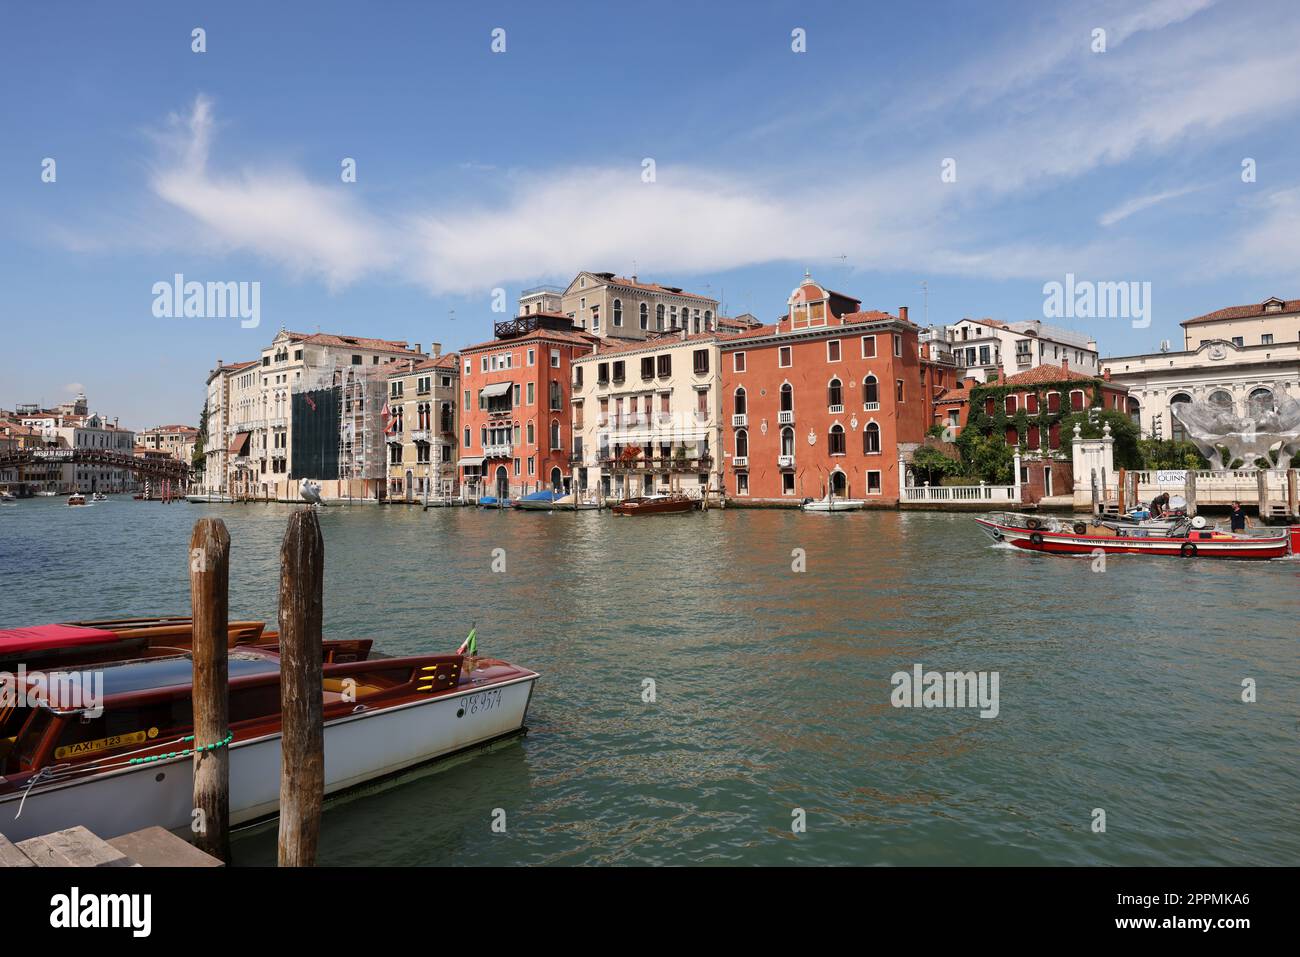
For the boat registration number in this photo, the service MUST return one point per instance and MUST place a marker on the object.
(483, 701)
(102, 744)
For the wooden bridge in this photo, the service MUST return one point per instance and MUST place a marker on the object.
(151, 468)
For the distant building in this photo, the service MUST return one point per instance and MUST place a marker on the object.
(618, 307)
(72, 426)
(421, 434)
(1243, 358)
(981, 347)
(176, 440)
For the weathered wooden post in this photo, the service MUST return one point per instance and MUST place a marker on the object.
(302, 741)
(1293, 493)
(1261, 495)
(1121, 489)
(1096, 495)
(210, 608)
(1189, 492)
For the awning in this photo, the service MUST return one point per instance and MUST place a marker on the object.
(475, 460)
(239, 444)
(497, 388)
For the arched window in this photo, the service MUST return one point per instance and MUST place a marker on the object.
(659, 317)
(1134, 411)
(787, 398)
(871, 439)
(555, 434)
(836, 445)
(742, 443)
(618, 312)
(740, 402)
(1259, 402)
(1221, 400)
(835, 394)
(787, 441)
(1176, 430)
(708, 320)
(871, 391)
(645, 316)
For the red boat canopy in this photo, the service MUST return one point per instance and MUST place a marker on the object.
(45, 637)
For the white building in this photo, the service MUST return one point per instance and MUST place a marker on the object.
(983, 346)
(1238, 357)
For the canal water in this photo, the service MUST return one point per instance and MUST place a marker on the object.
(1119, 690)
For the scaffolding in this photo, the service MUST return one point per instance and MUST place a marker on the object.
(338, 427)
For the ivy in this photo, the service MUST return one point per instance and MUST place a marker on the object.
(980, 422)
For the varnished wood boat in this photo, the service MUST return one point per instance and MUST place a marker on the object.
(129, 766)
(653, 505)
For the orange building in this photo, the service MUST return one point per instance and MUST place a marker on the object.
(516, 415)
(825, 399)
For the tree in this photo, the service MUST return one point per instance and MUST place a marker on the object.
(1123, 430)
(986, 457)
(933, 465)
(197, 458)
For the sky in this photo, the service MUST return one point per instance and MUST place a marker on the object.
(953, 157)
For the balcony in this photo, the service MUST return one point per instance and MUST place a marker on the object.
(837, 409)
(420, 435)
(394, 438)
(739, 421)
(785, 417)
(740, 461)
(870, 406)
(500, 413)
(785, 461)
(499, 451)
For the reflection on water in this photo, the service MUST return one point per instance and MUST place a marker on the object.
(1118, 690)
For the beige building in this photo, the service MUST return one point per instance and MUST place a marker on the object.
(422, 428)
(216, 479)
(981, 347)
(647, 416)
(616, 307)
(1240, 358)
(70, 426)
(176, 440)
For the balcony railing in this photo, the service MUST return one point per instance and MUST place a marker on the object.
(420, 435)
(785, 461)
(837, 409)
(870, 406)
(394, 438)
(740, 461)
(498, 451)
(739, 421)
(785, 417)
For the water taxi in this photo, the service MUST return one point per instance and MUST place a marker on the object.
(1186, 538)
(654, 505)
(127, 763)
(76, 498)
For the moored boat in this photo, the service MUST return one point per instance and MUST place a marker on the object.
(76, 498)
(654, 505)
(832, 504)
(1186, 540)
(491, 501)
(79, 643)
(543, 501)
(130, 766)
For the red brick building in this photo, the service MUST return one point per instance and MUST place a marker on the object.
(823, 399)
(515, 410)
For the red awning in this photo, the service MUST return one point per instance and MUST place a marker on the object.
(45, 637)
(239, 444)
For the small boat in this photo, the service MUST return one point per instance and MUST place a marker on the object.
(832, 504)
(654, 505)
(210, 498)
(1187, 540)
(571, 503)
(125, 762)
(6, 496)
(76, 498)
(47, 493)
(99, 497)
(491, 501)
(543, 501)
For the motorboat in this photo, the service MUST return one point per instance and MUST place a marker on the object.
(654, 505)
(491, 501)
(572, 503)
(210, 498)
(543, 500)
(832, 504)
(99, 497)
(76, 498)
(1187, 540)
(81, 643)
(125, 761)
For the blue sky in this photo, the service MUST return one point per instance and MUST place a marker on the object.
(479, 170)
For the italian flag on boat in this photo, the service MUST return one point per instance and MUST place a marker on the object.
(470, 645)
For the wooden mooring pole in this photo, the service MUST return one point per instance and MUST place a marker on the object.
(302, 742)
(210, 607)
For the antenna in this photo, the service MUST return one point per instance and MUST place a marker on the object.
(925, 299)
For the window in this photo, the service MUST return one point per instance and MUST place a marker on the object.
(740, 402)
(708, 320)
(532, 356)
(833, 350)
(1238, 341)
(871, 393)
(737, 362)
(787, 483)
(868, 347)
(836, 444)
(620, 370)
(618, 312)
(787, 397)
(530, 393)
(1076, 400)
(873, 483)
(1266, 339)
(871, 439)
(1011, 405)
(555, 435)
(984, 355)
(702, 402)
(659, 317)
(556, 396)
(1031, 402)
(595, 318)
(784, 357)
(742, 483)
(1053, 402)
(700, 363)
(835, 395)
(898, 390)
(898, 344)
(577, 415)
(530, 434)
(602, 373)
(645, 316)
(664, 365)
(555, 358)
(742, 443)
(647, 367)
(356, 360)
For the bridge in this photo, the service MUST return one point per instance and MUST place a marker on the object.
(150, 468)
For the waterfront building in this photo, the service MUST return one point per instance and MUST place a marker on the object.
(1243, 358)
(982, 347)
(828, 398)
(421, 431)
(216, 478)
(647, 415)
(515, 412)
(176, 440)
(618, 307)
(72, 426)
(25, 479)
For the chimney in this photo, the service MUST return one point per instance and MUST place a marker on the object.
(902, 313)
(218, 363)
(417, 347)
(436, 349)
(1065, 363)
(1105, 374)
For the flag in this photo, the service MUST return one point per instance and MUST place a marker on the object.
(470, 645)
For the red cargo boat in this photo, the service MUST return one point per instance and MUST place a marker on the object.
(1186, 540)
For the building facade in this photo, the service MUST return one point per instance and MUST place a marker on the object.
(982, 347)
(515, 410)
(828, 399)
(618, 307)
(647, 416)
(421, 431)
(1243, 358)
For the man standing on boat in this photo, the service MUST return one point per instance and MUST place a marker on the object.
(1238, 518)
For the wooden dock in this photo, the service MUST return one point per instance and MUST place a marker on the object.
(78, 847)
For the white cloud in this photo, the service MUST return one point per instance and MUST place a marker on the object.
(1138, 203)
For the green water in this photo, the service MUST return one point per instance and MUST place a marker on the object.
(1119, 690)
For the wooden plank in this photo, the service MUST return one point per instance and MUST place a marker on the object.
(73, 847)
(159, 847)
(209, 600)
(11, 856)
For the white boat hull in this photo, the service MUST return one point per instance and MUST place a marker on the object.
(838, 505)
(358, 748)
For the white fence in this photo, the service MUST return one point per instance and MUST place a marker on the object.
(1214, 487)
(960, 493)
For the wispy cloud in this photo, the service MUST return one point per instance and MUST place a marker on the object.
(1138, 203)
